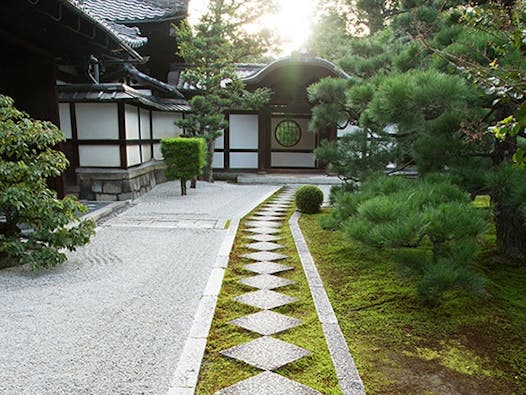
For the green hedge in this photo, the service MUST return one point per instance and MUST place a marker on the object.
(184, 158)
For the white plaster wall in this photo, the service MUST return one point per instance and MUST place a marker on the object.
(145, 124)
(308, 139)
(146, 152)
(292, 159)
(97, 121)
(219, 160)
(65, 120)
(164, 126)
(157, 155)
(243, 131)
(99, 156)
(349, 129)
(131, 116)
(243, 160)
(134, 155)
(220, 142)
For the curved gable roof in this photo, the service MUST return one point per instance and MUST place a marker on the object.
(296, 61)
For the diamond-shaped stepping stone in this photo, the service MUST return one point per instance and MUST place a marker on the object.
(265, 299)
(276, 213)
(268, 383)
(266, 322)
(263, 230)
(267, 267)
(274, 218)
(261, 237)
(272, 209)
(266, 281)
(263, 224)
(264, 256)
(264, 246)
(266, 353)
(278, 206)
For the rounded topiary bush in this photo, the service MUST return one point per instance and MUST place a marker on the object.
(309, 199)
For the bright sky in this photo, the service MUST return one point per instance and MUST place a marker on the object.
(291, 21)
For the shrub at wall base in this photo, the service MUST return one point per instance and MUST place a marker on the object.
(35, 225)
(184, 158)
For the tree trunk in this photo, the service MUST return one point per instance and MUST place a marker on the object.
(183, 187)
(509, 228)
(193, 183)
(209, 173)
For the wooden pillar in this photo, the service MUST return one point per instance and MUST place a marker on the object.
(226, 145)
(264, 140)
(122, 136)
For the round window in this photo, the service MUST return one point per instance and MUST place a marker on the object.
(288, 133)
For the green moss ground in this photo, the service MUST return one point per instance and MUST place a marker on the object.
(467, 345)
(315, 371)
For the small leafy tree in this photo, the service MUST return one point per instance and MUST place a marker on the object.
(36, 225)
(211, 49)
(184, 158)
(404, 214)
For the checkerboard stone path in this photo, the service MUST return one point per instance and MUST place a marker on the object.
(266, 352)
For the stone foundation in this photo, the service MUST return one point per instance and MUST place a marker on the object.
(110, 184)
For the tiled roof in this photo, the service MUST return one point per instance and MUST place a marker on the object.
(177, 75)
(113, 93)
(130, 36)
(135, 11)
(115, 13)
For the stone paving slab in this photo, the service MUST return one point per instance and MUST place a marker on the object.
(266, 281)
(265, 231)
(264, 246)
(267, 217)
(266, 267)
(273, 211)
(264, 256)
(268, 383)
(263, 237)
(265, 299)
(263, 224)
(266, 322)
(272, 205)
(266, 353)
(277, 206)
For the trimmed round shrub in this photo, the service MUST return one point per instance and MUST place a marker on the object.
(309, 199)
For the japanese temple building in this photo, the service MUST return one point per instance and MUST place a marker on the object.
(107, 72)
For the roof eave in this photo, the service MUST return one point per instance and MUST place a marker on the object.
(124, 46)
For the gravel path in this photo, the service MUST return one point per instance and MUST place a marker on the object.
(114, 319)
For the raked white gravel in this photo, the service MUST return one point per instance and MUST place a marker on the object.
(114, 319)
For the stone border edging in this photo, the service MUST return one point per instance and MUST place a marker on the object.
(187, 371)
(348, 376)
(106, 210)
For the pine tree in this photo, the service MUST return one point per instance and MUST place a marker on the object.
(212, 48)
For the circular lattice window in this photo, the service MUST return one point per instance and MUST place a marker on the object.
(288, 133)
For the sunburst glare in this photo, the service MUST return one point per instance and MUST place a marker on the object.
(291, 21)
